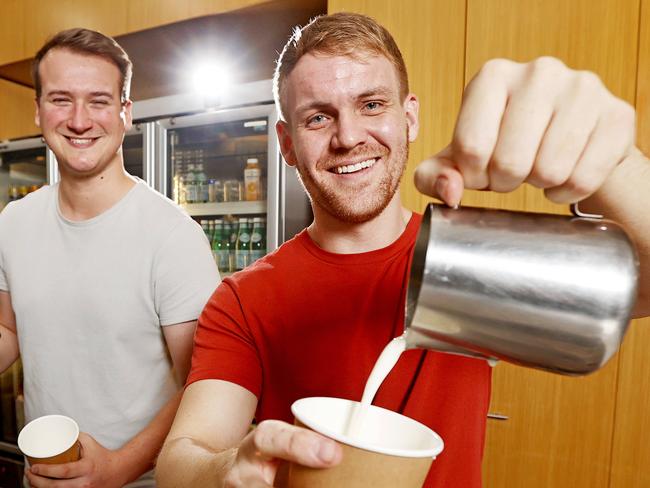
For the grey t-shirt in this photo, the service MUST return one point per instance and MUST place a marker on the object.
(90, 299)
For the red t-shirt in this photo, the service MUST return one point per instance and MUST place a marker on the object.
(305, 322)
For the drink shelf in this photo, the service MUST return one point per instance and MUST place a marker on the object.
(225, 208)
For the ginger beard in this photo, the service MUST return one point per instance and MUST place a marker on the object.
(355, 204)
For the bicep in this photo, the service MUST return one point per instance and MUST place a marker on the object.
(179, 339)
(214, 413)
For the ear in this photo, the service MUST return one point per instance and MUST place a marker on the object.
(37, 113)
(286, 144)
(412, 110)
(127, 114)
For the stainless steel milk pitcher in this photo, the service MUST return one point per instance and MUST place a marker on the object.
(546, 291)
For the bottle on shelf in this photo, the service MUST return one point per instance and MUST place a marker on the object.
(217, 242)
(234, 232)
(201, 182)
(206, 228)
(190, 184)
(258, 239)
(243, 244)
(252, 176)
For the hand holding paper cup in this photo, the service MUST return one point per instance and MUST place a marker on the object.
(51, 439)
(383, 449)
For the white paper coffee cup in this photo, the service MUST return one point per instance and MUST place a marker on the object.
(51, 439)
(387, 449)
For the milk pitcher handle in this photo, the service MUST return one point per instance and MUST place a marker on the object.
(575, 210)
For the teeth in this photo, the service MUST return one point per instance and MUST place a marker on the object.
(353, 168)
(81, 142)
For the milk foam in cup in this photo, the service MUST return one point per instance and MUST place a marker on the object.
(387, 449)
(51, 439)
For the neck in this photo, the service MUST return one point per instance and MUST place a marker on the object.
(334, 235)
(84, 197)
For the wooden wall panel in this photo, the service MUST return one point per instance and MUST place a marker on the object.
(43, 18)
(145, 14)
(631, 451)
(560, 429)
(12, 34)
(17, 109)
(430, 34)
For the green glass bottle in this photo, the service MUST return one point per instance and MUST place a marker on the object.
(243, 246)
(258, 239)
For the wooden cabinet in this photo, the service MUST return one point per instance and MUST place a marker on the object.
(17, 111)
(26, 24)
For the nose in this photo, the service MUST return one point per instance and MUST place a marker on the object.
(79, 121)
(350, 132)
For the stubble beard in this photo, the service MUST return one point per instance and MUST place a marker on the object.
(345, 206)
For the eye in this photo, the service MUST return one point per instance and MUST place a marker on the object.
(316, 120)
(372, 106)
(99, 102)
(59, 101)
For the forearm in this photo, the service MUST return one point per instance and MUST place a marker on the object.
(186, 462)
(8, 348)
(139, 454)
(625, 198)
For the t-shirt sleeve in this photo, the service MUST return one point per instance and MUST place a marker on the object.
(224, 348)
(185, 274)
(4, 233)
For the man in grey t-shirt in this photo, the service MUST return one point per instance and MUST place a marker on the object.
(101, 278)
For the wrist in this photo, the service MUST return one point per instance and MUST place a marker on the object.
(125, 466)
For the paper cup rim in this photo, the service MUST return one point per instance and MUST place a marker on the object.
(43, 419)
(409, 453)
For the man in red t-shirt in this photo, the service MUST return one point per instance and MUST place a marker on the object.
(312, 317)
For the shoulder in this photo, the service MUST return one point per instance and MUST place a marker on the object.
(30, 206)
(158, 213)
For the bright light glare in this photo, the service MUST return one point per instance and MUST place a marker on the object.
(211, 80)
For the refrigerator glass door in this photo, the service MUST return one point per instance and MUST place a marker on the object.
(133, 152)
(23, 168)
(224, 168)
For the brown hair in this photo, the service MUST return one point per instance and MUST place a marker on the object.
(85, 41)
(339, 34)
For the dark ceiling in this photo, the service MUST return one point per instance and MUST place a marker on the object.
(248, 39)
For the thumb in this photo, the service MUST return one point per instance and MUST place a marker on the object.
(438, 177)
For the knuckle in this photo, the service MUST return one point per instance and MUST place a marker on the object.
(495, 68)
(547, 63)
(624, 113)
(588, 81)
(549, 176)
(471, 151)
(508, 167)
(261, 436)
(582, 186)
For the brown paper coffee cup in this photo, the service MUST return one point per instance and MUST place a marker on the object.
(51, 439)
(386, 449)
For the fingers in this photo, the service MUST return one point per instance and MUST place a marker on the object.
(61, 471)
(479, 121)
(278, 440)
(538, 122)
(607, 146)
(439, 178)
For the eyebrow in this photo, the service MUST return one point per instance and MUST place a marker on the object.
(68, 93)
(379, 91)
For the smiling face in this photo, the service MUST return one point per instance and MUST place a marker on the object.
(80, 112)
(347, 133)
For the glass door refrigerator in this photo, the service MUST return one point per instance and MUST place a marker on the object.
(138, 151)
(25, 166)
(224, 167)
